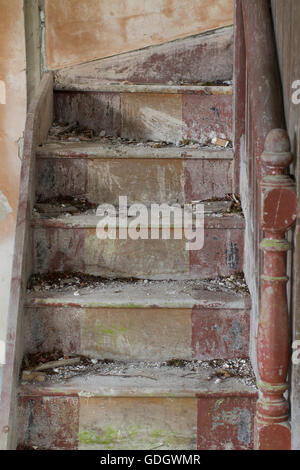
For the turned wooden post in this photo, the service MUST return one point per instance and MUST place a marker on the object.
(272, 430)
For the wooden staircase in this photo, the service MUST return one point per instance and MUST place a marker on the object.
(160, 336)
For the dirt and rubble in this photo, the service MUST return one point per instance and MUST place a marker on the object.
(76, 281)
(73, 132)
(72, 281)
(228, 205)
(79, 205)
(55, 367)
(76, 204)
(235, 283)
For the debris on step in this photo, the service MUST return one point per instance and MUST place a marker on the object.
(235, 282)
(60, 363)
(38, 368)
(218, 369)
(64, 206)
(176, 363)
(236, 206)
(26, 447)
(32, 360)
(74, 280)
(155, 145)
(213, 83)
(61, 129)
(229, 205)
(86, 283)
(213, 206)
(220, 142)
(31, 376)
(222, 369)
(72, 132)
(238, 368)
(56, 205)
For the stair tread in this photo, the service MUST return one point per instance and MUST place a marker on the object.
(59, 207)
(217, 214)
(146, 379)
(216, 221)
(140, 150)
(140, 294)
(94, 84)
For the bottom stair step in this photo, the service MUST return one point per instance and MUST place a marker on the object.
(141, 406)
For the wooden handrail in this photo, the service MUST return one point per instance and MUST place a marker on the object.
(279, 212)
(259, 119)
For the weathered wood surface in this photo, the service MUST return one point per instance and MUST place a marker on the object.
(286, 17)
(38, 122)
(202, 58)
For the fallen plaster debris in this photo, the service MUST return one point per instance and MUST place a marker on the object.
(73, 132)
(80, 283)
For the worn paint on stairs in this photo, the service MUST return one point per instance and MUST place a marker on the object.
(139, 406)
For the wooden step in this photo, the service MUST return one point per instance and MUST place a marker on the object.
(103, 172)
(135, 320)
(167, 113)
(138, 406)
(70, 243)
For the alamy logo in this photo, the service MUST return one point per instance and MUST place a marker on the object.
(296, 93)
(157, 221)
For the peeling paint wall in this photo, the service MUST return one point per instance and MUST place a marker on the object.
(83, 31)
(34, 12)
(12, 121)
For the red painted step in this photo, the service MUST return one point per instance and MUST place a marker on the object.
(138, 406)
(71, 244)
(101, 172)
(135, 320)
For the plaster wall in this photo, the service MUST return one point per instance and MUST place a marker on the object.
(12, 121)
(82, 31)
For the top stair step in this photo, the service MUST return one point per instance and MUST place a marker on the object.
(169, 113)
(206, 57)
(93, 84)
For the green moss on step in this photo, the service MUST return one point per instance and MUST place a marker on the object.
(109, 438)
(110, 331)
(132, 436)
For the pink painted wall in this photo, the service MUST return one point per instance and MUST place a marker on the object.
(81, 31)
(12, 120)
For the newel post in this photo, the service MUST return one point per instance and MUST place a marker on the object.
(272, 430)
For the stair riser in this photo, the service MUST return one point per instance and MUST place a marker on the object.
(79, 249)
(116, 423)
(138, 334)
(141, 180)
(167, 117)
